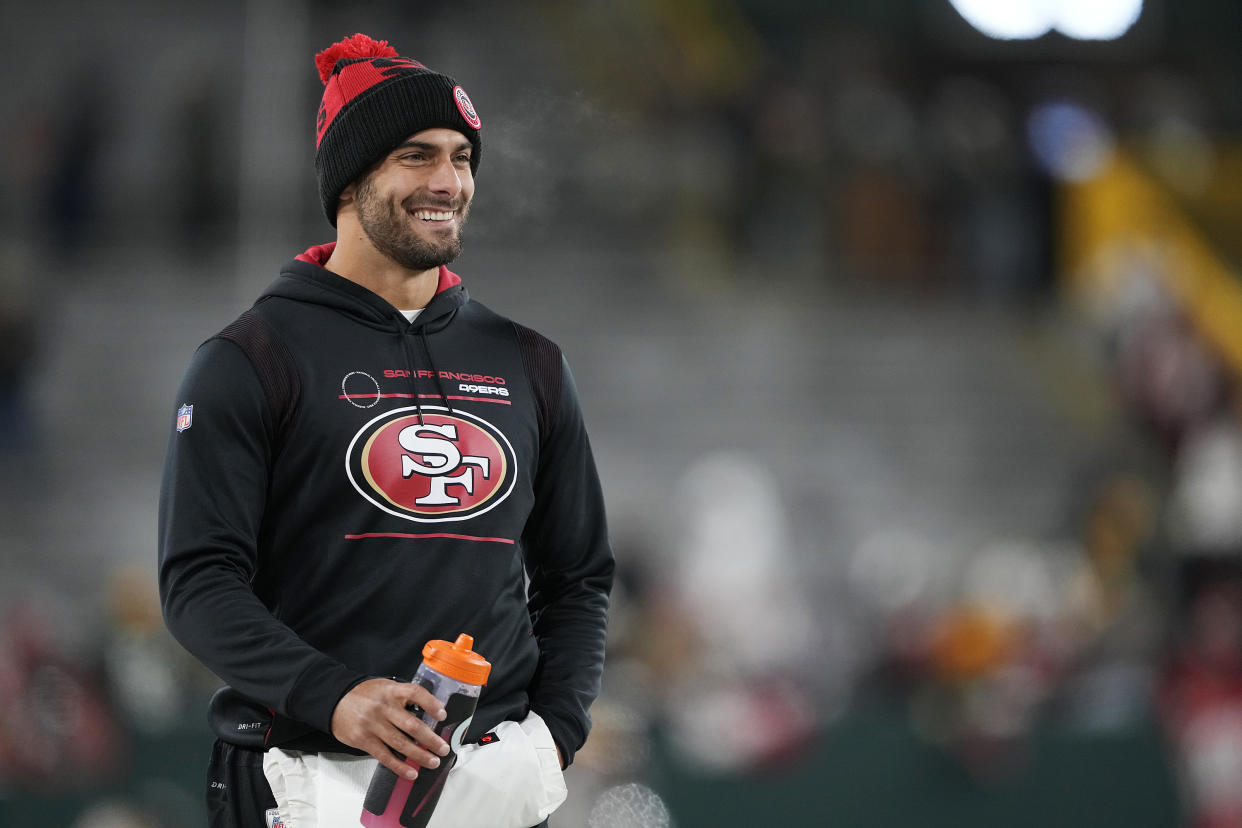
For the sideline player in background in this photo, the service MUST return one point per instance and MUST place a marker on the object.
(368, 459)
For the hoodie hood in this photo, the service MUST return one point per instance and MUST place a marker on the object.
(304, 279)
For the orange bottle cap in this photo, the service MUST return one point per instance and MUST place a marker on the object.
(457, 660)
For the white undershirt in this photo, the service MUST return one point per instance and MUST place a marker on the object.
(411, 315)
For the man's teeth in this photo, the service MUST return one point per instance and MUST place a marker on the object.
(433, 215)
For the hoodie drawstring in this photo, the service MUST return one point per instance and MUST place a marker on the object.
(422, 337)
(413, 367)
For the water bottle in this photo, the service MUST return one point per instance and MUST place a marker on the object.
(455, 675)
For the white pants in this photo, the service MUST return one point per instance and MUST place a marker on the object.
(514, 782)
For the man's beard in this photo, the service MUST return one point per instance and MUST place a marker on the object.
(387, 226)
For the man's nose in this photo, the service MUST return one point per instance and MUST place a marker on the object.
(445, 178)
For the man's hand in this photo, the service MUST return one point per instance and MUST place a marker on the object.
(373, 717)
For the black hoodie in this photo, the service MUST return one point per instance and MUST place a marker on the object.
(343, 486)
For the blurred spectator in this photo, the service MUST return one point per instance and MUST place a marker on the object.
(1115, 615)
(780, 161)
(57, 732)
(1206, 501)
(882, 220)
(1168, 376)
(992, 213)
(740, 602)
(203, 181)
(1201, 703)
(71, 193)
(150, 677)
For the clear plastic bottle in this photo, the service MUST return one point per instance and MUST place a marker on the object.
(455, 675)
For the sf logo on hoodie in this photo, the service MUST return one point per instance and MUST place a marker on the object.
(440, 466)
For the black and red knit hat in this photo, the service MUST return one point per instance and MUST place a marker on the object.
(373, 99)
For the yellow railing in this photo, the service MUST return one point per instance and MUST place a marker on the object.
(1124, 220)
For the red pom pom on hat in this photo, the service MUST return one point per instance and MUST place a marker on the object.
(357, 46)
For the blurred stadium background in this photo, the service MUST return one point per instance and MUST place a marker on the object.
(910, 356)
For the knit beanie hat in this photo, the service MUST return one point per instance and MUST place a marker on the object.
(373, 100)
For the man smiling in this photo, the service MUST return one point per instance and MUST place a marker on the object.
(439, 202)
(340, 497)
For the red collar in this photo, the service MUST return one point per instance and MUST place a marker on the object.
(320, 253)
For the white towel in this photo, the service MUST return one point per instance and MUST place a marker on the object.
(513, 782)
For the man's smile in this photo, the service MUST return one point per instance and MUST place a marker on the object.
(434, 215)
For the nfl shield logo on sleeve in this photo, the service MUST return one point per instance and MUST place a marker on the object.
(185, 417)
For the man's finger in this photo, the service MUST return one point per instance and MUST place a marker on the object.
(416, 729)
(412, 750)
(417, 695)
(390, 760)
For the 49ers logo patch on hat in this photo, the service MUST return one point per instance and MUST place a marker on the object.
(466, 108)
(450, 466)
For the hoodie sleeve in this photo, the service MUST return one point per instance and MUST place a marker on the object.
(570, 564)
(211, 508)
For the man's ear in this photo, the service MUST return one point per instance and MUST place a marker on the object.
(347, 194)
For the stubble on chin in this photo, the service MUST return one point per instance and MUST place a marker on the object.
(392, 231)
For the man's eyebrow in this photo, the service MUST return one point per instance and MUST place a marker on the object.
(427, 146)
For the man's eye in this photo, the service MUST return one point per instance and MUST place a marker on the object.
(462, 159)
